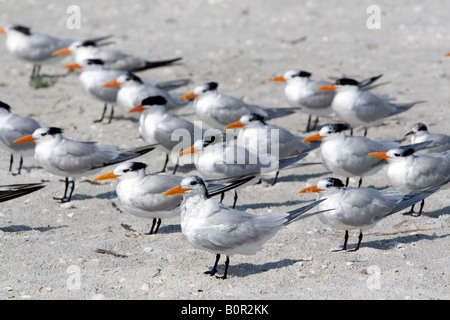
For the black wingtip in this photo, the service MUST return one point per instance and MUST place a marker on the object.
(18, 190)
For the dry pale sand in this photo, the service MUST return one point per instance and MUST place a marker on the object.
(82, 251)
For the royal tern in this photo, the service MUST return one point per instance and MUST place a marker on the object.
(301, 91)
(141, 194)
(13, 126)
(360, 107)
(261, 138)
(12, 191)
(209, 225)
(439, 142)
(92, 78)
(70, 158)
(218, 109)
(359, 208)
(216, 159)
(346, 155)
(408, 171)
(33, 47)
(169, 132)
(133, 89)
(112, 58)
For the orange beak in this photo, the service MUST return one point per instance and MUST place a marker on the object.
(109, 175)
(311, 189)
(381, 155)
(138, 108)
(2, 30)
(447, 54)
(188, 151)
(313, 137)
(61, 51)
(236, 124)
(113, 83)
(25, 139)
(328, 87)
(189, 95)
(176, 190)
(73, 66)
(277, 78)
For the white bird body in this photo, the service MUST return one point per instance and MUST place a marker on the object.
(359, 208)
(112, 58)
(33, 47)
(418, 172)
(439, 142)
(14, 126)
(218, 109)
(71, 158)
(363, 108)
(94, 76)
(262, 138)
(209, 225)
(348, 156)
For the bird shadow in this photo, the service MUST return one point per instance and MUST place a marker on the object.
(298, 177)
(247, 269)
(23, 228)
(262, 205)
(390, 243)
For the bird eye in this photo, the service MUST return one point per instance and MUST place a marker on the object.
(397, 154)
(126, 170)
(44, 134)
(193, 183)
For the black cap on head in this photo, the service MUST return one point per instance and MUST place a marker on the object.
(154, 100)
(256, 117)
(337, 127)
(334, 182)
(346, 82)
(212, 85)
(136, 166)
(133, 77)
(404, 152)
(420, 127)
(22, 29)
(94, 61)
(5, 106)
(54, 131)
(303, 74)
(88, 43)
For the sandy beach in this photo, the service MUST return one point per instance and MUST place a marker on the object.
(87, 248)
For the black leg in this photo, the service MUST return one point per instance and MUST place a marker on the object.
(308, 124)
(111, 114)
(158, 223)
(235, 198)
(344, 248)
(360, 182)
(421, 207)
(175, 168)
(365, 132)
(66, 198)
(276, 178)
(351, 131)
(165, 163)
(20, 164)
(222, 196)
(103, 114)
(227, 263)
(214, 269)
(153, 226)
(11, 160)
(315, 123)
(359, 241)
(347, 181)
